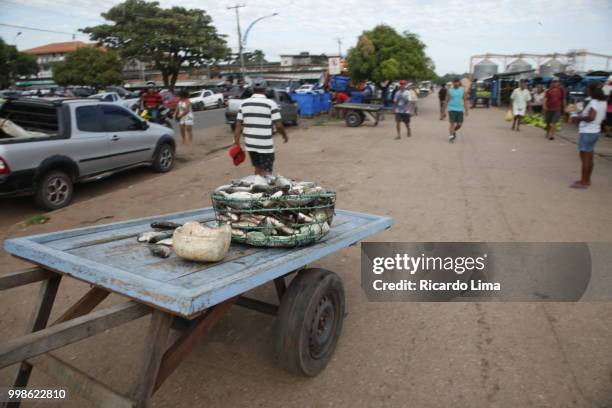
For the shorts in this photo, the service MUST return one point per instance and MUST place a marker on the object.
(455, 117)
(518, 111)
(536, 108)
(552, 116)
(402, 117)
(586, 142)
(186, 120)
(264, 161)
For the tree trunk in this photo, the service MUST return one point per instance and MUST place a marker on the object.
(173, 78)
(165, 77)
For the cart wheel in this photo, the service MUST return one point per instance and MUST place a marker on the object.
(353, 119)
(309, 321)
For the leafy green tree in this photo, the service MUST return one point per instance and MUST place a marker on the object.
(382, 54)
(14, 64)
(167, 39)
(89, 66)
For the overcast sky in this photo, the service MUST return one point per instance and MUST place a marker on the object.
(452, 29)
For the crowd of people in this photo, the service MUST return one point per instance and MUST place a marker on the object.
(593, 118)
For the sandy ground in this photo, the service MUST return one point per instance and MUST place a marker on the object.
(491, 185)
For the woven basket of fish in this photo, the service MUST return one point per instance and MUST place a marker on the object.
(274, 211)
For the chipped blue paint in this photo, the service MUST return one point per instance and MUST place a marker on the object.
(109, 256)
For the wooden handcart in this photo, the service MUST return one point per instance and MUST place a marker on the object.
(188, 296)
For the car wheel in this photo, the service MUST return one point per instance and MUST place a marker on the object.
(198, 106)
(219, 104)
(54, 190)
(164, 159)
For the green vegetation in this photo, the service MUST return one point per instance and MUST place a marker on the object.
(89, 66)
(36, 220)
(14, 64)
(537, 120)
(169, 39)
(383, 54)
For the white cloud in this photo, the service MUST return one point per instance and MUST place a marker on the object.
(453, 29)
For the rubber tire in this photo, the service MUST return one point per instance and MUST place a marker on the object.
(353, 119)
(40, 198)
(219, 104)
(156, 161)
(198, 106)
(297, 308)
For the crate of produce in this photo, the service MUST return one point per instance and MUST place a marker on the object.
(274, 211)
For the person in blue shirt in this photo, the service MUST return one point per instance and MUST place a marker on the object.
(402, 101)
(457, 104)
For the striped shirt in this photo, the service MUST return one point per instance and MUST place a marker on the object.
(151, 100)
(257, 115)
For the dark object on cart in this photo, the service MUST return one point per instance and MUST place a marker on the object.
(355, 113)
(188, 296)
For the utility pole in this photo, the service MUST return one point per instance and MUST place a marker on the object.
(235, 8)
(339, 40)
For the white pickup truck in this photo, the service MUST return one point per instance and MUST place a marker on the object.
(205, 98)
(113, 97)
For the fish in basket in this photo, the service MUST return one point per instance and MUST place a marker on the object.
(274, 211)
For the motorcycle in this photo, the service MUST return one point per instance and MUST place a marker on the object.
(163, 118)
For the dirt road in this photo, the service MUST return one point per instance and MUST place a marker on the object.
(491, 185)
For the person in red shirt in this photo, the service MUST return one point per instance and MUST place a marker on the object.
(151, 100)
(554, 106)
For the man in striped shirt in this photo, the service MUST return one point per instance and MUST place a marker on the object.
(256, 118)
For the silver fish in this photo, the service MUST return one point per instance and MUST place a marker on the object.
(238, 233)
(304, 218)
(152, 237)
(160, 251)
(166, 242)
(245, 224)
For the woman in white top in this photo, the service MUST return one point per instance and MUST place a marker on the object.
(589, 127)
(538, 99)
(184, 116)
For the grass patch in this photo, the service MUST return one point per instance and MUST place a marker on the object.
(36, 220)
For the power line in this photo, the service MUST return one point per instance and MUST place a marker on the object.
(41, 30)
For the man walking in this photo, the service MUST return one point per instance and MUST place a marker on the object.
(521, 97)
(256, 118)
(401, 102)
(554, 105)
(442, 98)
(456, 103)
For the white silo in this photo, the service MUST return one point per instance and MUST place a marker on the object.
(551, 67)
(485, 69)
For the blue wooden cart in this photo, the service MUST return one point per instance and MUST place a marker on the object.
(187, 296)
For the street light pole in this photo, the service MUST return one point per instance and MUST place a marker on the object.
(15, 38)
(236, 7)
(248, 30)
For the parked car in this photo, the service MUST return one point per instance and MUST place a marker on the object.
(114, 97)
(306, 88)
(9, 93)
(289, 110)
(74, 141)
(206, 98)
